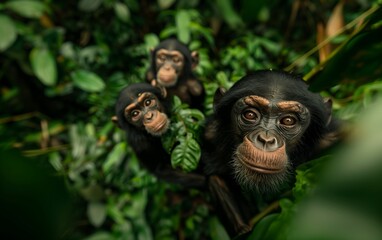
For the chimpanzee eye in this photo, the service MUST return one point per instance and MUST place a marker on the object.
(288, 121)
(161, 58)
(135, 113)
(250, 115)
(176, 59)
(147, 102)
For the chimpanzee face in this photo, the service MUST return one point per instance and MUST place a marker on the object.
(146, 112)
(169, 66)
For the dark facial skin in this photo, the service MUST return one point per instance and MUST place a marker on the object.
(169, 64)
(267, 128)
(171, 70)
(147, 112)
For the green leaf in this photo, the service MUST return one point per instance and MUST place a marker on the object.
(115, 156)
(164, 4)
(261, 228)
(96, 213)
(122, 11)
(8, 32)
(228, 13)
(187, 154)
(87, 81)
(27, 8)
(89, 5)
(100, 236)
(44, 66)
(183, 20)
(217, 231)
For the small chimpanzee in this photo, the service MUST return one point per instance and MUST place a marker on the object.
(171, 68)
(262, 129)
(143, 113)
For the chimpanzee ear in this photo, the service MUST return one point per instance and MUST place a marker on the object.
(219, 93)
(195, 59)
(328, 107)
(114, 119)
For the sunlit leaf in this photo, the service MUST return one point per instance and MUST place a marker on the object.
(89, 5)
(164, 4)
(336, 20)
(122, 11)
(99, 236)
(151, 40)
(27, 8)
(115, 156)
(183, 26)
(87, 81)
(8, 32)
(96, 213)
(44, 66)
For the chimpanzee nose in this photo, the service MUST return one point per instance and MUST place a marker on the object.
(266, 141)
(149, 116)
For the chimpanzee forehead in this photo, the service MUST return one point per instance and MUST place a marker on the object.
(141, 97)
(173, 44)
(285, 106)
(174, 53)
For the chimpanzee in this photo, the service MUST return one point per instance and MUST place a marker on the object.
(262, 129)
(171, 68)
(143, 113)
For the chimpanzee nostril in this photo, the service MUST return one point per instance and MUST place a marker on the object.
(149, 116)
(264, 138)
(266, 141)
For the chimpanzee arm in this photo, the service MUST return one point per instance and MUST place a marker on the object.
(224, 198)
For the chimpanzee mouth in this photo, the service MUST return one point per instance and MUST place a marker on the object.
(248, 163)
(159, 127)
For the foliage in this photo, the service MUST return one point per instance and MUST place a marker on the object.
(63, 64)
(181, 139)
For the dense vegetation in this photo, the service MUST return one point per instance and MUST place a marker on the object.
(66, 171)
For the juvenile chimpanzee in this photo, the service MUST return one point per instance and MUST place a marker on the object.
(143, 113)
(171, 68)
(262, 129)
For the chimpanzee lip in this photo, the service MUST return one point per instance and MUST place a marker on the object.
(259, 168)
(160, 126)
(166, 77)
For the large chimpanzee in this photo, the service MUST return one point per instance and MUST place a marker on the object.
(143, 113)
(171, 68)
(262, 129)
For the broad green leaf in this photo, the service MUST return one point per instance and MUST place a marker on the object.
(187, 154)
(217, 231)
(115, 156)
(87, 81)
(8, 32)
(89, 5)
(27, 8)
(44, 66)
(262, 227)
(122, 11)
(96, 213)
(228, 13)
(151, 40)
(164, 4)
(183, 26)
(100, 236)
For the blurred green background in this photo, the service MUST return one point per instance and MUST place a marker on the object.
(66, 172)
